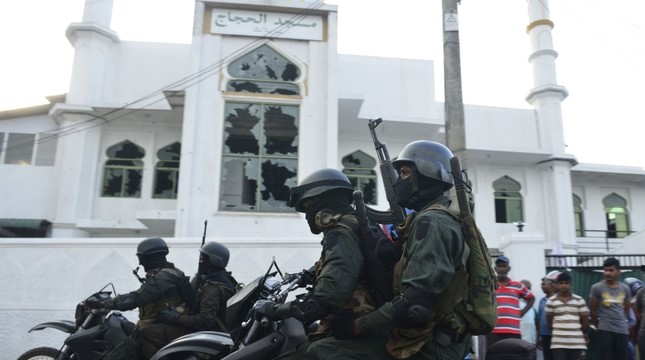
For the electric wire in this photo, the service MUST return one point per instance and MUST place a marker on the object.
(176, 86)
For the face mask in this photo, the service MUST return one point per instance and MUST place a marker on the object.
(310, 215)
(403, 190)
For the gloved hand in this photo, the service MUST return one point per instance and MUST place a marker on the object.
(308, 277)
(170, 316)
(265, 308)
(345, 326)
(94, 303)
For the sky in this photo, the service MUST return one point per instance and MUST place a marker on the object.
(601, 47)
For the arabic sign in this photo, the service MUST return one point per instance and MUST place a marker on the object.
(266, 24)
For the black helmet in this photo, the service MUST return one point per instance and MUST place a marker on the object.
(152, 246)
(431, 159)
(216, 253)
(634, 284)
(317, 183)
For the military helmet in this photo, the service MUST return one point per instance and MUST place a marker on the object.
(634, 284)
(152, 246)
(431, 159)
(216, 253)
(319, 182)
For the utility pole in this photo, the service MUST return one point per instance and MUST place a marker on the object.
(454, 102)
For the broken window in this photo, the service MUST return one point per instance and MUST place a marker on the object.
(167, 172)
(263, 71)
(260, 156)
(359, 168)
(123, 170)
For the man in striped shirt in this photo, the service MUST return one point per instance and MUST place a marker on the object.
(509, 313)
(568, 318)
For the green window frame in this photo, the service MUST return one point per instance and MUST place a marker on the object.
(123, 171)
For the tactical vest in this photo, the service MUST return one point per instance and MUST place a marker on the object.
(404, 343)
(169, 299)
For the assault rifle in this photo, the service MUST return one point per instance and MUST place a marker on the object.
(389, 175)
(196, 281)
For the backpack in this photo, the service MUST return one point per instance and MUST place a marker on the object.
(479, 304)
(380, 255)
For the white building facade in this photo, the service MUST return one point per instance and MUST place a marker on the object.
(155, 139)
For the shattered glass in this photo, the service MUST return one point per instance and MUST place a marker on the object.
(359, 168)
(167, 172)
(260, 156)
(123, 170)
(264, 71)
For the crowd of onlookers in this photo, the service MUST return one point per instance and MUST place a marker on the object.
(605, 325)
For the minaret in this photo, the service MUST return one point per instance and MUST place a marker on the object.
(92, 39)
(78, 151)
(546, 97)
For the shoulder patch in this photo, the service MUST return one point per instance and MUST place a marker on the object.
(330, 240)
(421, 229)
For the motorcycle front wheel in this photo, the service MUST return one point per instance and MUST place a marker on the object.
(41, 353)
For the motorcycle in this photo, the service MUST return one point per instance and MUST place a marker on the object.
(93, 334)
(250, 338)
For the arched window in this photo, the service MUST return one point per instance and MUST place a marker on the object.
(578, 216)
(359, 168)
(260, 154)
(167, 172)
(616, 214)
(123, 170)
(508, 200)
(265, 71)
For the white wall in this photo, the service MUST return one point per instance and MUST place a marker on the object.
(43, 279)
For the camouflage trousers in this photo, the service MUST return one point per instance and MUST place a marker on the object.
(372, 347)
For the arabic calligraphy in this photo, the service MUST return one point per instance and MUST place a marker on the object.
(254, 23)
(224, 20)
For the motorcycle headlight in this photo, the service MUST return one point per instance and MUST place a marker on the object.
(271, 284)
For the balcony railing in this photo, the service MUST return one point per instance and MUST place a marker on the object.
(595, 241)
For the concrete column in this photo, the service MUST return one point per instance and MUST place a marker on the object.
(526, 253)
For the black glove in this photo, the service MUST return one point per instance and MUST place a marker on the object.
(95, 304)
(265, 308)
(307, 277)
(344, 325)
(170, 316)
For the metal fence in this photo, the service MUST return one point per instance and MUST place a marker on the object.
(593, 262)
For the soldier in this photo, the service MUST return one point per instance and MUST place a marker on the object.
(215, 286)
(419, 323)
(325, 197)
(165, 287)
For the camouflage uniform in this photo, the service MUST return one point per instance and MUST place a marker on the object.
(339, 275)
(339, 282)
(158, 293)
(433, 254)
(210, 311)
